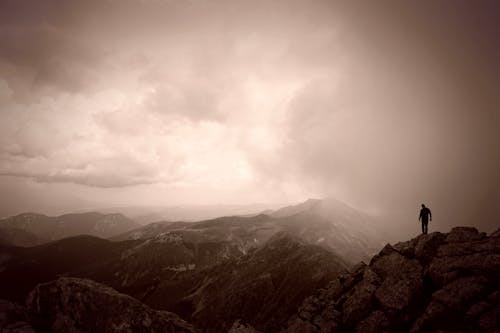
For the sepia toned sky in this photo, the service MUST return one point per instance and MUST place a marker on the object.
(384, 105)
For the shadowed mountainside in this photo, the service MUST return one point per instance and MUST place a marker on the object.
(23, 268)
(19, 237)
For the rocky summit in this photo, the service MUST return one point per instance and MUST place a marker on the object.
(79, 305)
(432, 283)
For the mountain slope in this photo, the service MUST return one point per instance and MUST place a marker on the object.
(18, 237)
(432, 283)
(262, 288)
(58, 227)
(23, 268)
(150, 230)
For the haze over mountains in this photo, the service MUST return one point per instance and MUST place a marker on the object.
(189, 213)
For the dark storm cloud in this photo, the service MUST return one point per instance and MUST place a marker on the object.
(48, 56)
(419, 122)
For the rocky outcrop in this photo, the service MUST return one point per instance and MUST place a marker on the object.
(432, 283)
(79, 305)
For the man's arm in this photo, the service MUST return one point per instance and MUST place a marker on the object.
(430, 215)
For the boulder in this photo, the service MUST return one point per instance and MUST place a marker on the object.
(79, 305)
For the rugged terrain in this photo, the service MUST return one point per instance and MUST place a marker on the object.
(432, 283)
(211, 284)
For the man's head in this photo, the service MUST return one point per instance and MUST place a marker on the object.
(423, 206)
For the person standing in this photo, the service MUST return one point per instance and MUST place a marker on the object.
(425, 217)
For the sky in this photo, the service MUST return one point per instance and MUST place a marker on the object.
(384, 105)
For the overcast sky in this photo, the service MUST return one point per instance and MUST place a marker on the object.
(384, 104)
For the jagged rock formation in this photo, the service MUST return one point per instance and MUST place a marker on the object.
(432, 283)
(79, 305)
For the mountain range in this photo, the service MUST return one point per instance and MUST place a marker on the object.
(30, 229)
(431, 283)
(330, 224)
(295, 269)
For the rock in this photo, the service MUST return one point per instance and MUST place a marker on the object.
(238, 327)
(487, 245)
(490, 322)
(444, 269)
(359, 303)
(427, 245)
(407, 248)
(459, 294)
(495, 234)
(13, 318)
(79, 305)
(402, 282)
(476, 310)
(464, 234)
(376, 322)
(433, 313)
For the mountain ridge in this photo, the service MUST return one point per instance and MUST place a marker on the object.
(49, 228)
(330, 223)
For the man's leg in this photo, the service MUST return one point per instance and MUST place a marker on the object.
(425, 227)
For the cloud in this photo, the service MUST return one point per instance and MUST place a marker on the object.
(48, 57)
(380, 105)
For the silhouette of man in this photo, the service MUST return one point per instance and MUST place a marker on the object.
(425, 216)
